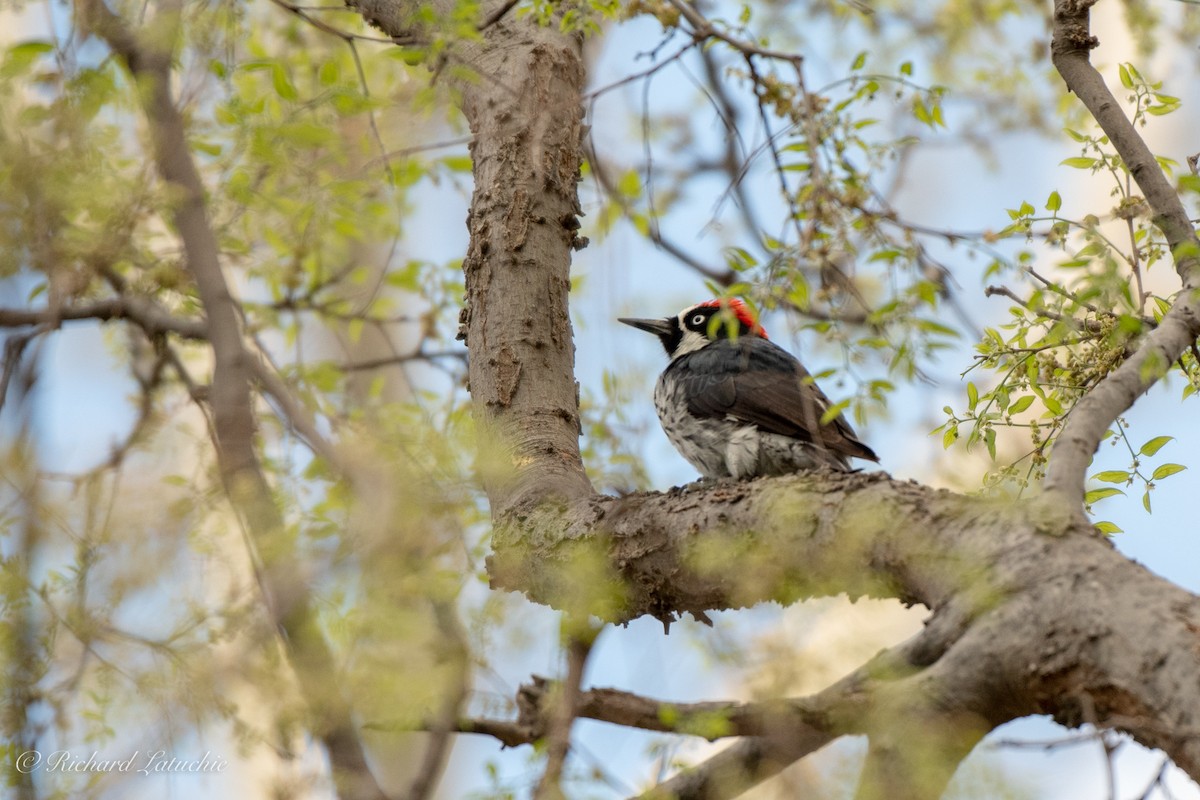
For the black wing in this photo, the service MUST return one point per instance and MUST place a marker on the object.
(755, 381)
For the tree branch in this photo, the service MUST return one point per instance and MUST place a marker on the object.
(704, 29)
(1097, 410)
(145, 313)
(987, 568)
(563, 713)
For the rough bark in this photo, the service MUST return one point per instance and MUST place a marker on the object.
(1032, 621)
(523, 101)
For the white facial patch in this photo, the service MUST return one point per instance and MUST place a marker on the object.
(690, 342)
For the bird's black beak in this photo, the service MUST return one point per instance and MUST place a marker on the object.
(659, 327)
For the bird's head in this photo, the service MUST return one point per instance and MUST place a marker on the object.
(699, 325)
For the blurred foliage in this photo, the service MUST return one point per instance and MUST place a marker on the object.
(130, 609)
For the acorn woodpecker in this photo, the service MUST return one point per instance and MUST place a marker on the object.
(737, 405)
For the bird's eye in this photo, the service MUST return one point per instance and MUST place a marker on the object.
(698, 319)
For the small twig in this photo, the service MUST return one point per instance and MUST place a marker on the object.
(14, 349)
(497, 15)
(144, 312)
(1090, 324)
(402, 358)
(1054, 287)
(294, 414)
(704, 29)
(325, 27)
(558, 729)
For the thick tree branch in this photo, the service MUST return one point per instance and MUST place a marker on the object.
(1178, 330)
(995, 580)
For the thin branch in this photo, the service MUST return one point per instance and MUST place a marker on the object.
(720, 277)
(1054, 287)
(402, 358)
(325, 27)
(454, 645)
(497, 15)
(702, 28)
(1003, 291)
(295, 414)
(144, 312)
(565, 710)
(14, 351)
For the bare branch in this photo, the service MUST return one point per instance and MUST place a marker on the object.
(704, 29)
(14, 351)
(498, 14)
(296, 415)
(566, 708)
(144, 312)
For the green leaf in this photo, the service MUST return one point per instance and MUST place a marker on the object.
(859, 61)
(1107, 527)
(630, 183)
(413, 56)
(1154, 445)
(1021, 404)
(457, 163)
(1054, 202)
(921, 111)
(20, 57)
(972, 395)
(1166, 470)
(832, 412)
(1126, 81)
(1146, 501)
(328, 73)
(949, 437)
(1112, 476)
(1099, 494)
(1079, 162)
(989, 438)
(282, 83)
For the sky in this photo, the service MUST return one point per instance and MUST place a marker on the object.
(82, 410)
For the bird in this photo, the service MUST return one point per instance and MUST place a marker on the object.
(737, 405)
